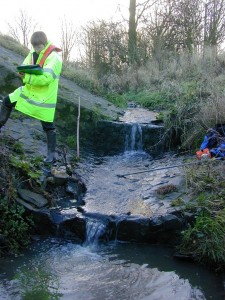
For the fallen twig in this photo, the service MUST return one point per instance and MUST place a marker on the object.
(163, 168)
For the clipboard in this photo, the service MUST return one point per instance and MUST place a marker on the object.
(30, 69)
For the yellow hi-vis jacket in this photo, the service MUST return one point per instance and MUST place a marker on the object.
(38, 97)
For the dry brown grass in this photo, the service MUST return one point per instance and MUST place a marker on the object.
(166, 189)
(9, 43)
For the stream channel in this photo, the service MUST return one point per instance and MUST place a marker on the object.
(56, 268)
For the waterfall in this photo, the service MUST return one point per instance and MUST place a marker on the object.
(133, 140)
(95, 230)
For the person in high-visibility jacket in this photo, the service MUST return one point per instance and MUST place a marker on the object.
(38, 96)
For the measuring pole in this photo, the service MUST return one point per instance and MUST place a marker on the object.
(78, 129)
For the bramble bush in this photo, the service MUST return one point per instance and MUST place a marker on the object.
(14, 226)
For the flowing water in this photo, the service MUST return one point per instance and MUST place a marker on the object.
(54, 269)
(60, 269)
(133, 140)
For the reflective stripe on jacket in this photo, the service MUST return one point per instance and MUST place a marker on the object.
(38, 97)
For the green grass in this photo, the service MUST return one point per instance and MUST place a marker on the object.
(205, 240)
(151, 100)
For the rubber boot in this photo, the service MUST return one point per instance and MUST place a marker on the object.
(4, 115)
(51, 145)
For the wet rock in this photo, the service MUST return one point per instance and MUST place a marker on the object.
(43, 222)
(73, 228)
(76, 187)
(171, 222)
(163, 229)
(33, 199)
(60, 175)
(132, 229)
(26, 205)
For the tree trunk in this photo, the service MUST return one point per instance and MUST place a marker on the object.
(132, 34)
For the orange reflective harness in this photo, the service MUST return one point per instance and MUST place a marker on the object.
(47, 52)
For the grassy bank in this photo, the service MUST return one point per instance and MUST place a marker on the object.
(204, 239)
(187, 89)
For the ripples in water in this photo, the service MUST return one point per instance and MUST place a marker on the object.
(70, 271)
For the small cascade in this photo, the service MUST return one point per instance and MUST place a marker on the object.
(133, 140)
(95, 230)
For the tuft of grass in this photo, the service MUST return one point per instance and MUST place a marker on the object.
(18, 148)
(166, 189)
(177, 202)
(27, 168)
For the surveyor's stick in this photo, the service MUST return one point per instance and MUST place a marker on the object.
(78, 129)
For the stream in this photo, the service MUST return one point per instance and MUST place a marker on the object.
(59, 269)
(56, 268)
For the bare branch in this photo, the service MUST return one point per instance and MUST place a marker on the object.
(68, 38)
(22, 28)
